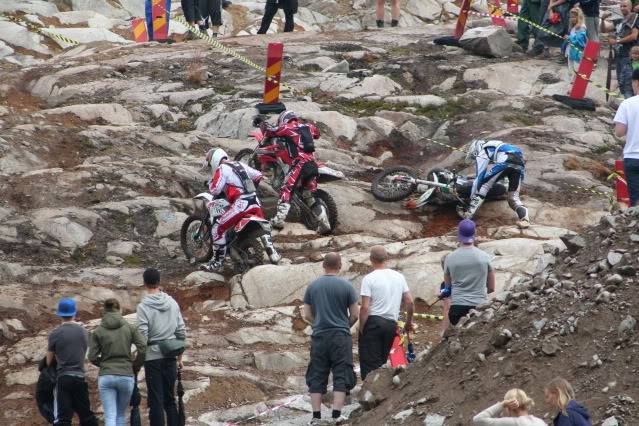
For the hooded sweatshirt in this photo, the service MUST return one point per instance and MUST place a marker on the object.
(159, 318)
(577, 415)
(110, 346)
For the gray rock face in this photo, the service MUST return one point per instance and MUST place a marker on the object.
(487, 41)
(340, 67)
(627, 325)
(574, 243)
(110, 113)
(279, 362)
(434, 420)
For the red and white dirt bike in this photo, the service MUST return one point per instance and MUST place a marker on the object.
(317, 211)
(247, 242)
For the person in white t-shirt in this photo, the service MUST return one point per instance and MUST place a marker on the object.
(383, 292)
(627, 124)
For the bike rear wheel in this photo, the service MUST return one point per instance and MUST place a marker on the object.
(326, 202)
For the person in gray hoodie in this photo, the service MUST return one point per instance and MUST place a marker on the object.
(160, 319)
(110, 349)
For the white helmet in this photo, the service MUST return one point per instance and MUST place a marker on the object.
(285, 117)
(214, 157)
(474, 148)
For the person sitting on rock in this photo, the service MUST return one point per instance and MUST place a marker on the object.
(300, 144)
(238, 182)
(495, 160)
(516, 405)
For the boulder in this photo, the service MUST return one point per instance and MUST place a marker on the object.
(199, 278)
(339, 124)
(122, 248)
(340, 68)
(272, 285)
(490, 41)
(110, 113)
(93, 19)
(106, 8)
(424, 9)
(379, 85)
(169, 222)
(434, 420)
(55, 223)
(279, 361)
(222, 123)
(26, 377)
(19, 36)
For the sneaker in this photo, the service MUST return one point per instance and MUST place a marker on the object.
(562, 60)
(314, 422)
(394, 23)
(380, 24)
(341, 420)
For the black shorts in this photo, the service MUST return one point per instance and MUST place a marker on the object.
(331, 351)
(456, 312)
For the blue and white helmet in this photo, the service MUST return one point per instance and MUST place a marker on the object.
(285, 117)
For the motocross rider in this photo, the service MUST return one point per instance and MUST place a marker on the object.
(495, 160)
(237, 182)
(299, 142)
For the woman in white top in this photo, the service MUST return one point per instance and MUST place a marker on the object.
(516, 404)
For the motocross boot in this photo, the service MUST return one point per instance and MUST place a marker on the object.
(217, 263)
(524, 219)
(282, 211)
(473, 206)
(270, 249)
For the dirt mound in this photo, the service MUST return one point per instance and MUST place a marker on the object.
(575, 320)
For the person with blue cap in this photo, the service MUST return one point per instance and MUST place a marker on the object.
(68, 344)
(469, 274)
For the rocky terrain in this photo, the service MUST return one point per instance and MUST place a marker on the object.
(100, 152)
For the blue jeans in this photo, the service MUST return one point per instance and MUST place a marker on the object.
(624, 76)
(631, 171)
(115, 393)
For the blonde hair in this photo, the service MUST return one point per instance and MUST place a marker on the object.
(580, 17)
(564, 391)
(524, 401)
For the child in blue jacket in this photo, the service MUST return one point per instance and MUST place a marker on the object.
(576, 40)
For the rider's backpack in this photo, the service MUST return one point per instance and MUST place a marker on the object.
(306, 138)
(240, 171)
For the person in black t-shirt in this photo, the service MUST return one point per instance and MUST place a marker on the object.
(68, 345)
(330, 305)
(626, 31)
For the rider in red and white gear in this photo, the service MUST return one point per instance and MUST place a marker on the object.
(231, 179)
(299, 137)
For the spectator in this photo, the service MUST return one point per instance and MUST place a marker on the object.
(68, 345)
(560, 396)
(211, 9)
(394, 13)
(516, 404)
(626, 31)
(191, 15)
(634, 58)
(531, 11)
(444, 296)
(575, 40)
(110, 349)
(590, 9)
(160, 320)
(627, 124)
(330, 305)
(383, 292)
(290, 9)
(469, 273)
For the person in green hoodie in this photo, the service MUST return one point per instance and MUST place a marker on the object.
(110, 349)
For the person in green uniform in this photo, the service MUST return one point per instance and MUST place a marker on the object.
(530, 10)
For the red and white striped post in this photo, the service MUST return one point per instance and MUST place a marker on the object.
(271, 101)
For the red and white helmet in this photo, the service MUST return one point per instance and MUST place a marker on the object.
(285, 117)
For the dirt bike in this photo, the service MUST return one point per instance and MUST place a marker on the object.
(247, 242)
(440, 187)
(317, 211)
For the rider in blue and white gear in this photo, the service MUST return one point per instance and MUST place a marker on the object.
(495, 160)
